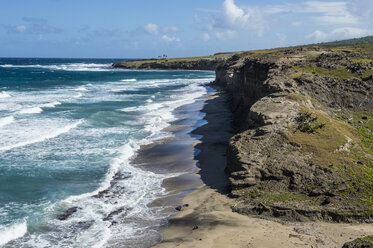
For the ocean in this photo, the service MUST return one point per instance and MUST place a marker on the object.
(70, 130)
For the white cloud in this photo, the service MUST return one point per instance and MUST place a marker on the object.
(225, 35)
(170, 39)
(281, 38)
(33, 26)
(363, 9)
(337, 19)
(204, 23)
(328, 13)
(171, 29)
(236, 18)
(317, 36)
(20, 29)
(296, 24)
(206, 37)
(338, 33)
(152, 29)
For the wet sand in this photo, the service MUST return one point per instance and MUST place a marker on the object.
(208, 220)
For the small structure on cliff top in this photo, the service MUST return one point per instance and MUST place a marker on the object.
(164, 56)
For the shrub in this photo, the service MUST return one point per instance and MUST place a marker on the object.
(307, 123)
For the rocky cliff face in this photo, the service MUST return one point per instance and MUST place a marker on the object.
(303, 148)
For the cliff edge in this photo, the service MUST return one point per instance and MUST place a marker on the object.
(190, 63)
(304, 143)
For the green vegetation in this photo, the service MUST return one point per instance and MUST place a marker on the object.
(366, 139)
(283, 197)
(274, 197)
(324, 143)
(144, 62)
(361, 48)
(349, 42)
(288, 55)
(365, 61)
(311, 69)
(368, 238)
(308, 123)
(364, 242)
(363, 124)
(347, 148)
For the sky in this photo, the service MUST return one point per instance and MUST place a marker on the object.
(177, 28)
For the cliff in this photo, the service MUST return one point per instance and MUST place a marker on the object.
(304, 143)
(191, 63)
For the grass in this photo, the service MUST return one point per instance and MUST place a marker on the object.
(365, 61)
(366, 48)
(354, 164)
(363, 124)
(138, 63)
(366, 139)
(324, 143)
(368, 238)
(283, 197)
(277, 197)
(305, 51)
(307, 69)
(361, 242)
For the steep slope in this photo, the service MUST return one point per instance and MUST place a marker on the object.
(304, 144)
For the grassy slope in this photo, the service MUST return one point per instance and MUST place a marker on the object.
(337, 45)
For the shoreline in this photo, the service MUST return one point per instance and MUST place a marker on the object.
(172, 157)
(208, 221)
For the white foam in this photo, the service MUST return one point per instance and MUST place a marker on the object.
(42, 138)
(6, 120)
(66, 67)
(51, 105)
(80, 88)
(78, 95)
(12, 232)
(33, 110)
(141, 188)
(6, 66)
(136, 192)
(4, 94)
(129, 80)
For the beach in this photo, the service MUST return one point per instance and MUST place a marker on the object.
(207, 220)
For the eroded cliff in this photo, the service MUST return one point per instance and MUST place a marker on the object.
(304, 144)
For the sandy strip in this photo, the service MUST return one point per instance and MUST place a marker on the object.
(208, 220)
(219, 227)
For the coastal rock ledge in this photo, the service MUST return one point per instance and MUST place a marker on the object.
(304, 121)
(208, 64)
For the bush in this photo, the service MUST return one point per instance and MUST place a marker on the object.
(307, 123)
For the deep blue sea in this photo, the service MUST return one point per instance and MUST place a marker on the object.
(68, 128)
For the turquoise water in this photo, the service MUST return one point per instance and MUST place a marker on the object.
(69, 130)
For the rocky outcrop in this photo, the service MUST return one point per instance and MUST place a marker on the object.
(270, 171)
(173, 64)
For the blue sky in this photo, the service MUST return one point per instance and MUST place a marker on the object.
(148, 28)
